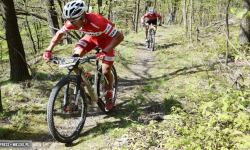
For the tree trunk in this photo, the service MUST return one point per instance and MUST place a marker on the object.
(191, 18)
(137, 15)
(37, 34)
(18, 66)
(226, 62)
(174, 6)
(201, 12)
(244, 38)
(61, 11)
(98, 8)
(109, 11)
(144, 8)
(52, 16)
(185, 17)
(88, 5)
(1, 106)
(197, 34)
(133, 20)
(28, 27)
(169, 10)
(1, 60)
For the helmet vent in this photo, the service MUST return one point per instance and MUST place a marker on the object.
(76, 12)
(70, 12)
(73, 4)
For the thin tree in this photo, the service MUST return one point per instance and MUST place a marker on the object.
(109, 9)
(1, 106)
(88, 5)
(18, 66)
(137, 15)
(184, 14)
(29, 30)
(99, 5)
(52, 16)
(35, 26)
(201, 12)
(191, 18)
(226, 62)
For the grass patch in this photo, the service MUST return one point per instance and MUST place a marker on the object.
(18, 120)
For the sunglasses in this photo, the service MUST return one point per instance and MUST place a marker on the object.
(75, 20)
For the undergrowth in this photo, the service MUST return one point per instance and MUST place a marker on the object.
(203, 108)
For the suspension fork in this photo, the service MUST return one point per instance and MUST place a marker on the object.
(76, 92)
(65, 100)
(149, 33)
(96, 74)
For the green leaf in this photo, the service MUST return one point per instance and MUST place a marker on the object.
(244, 11)
(233, 10)
(240, 15)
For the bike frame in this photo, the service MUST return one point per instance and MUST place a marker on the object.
(82, 73)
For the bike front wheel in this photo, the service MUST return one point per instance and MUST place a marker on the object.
(152, 41)
(65, 119)
(147, 42)
(101, 88)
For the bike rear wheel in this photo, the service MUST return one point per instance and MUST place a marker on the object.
(101, 88)
(65, 122)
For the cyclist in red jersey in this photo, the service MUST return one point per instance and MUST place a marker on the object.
(152, 19)
(98, 30)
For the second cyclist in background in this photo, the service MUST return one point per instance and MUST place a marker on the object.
(152, 19)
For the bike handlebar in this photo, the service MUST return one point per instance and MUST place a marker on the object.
(149, 25)
(56, 59)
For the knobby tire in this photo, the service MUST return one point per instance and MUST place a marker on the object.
(57, 122)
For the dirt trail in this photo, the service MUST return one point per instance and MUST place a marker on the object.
(134, 76)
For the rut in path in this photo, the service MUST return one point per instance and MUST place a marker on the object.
(141, 70)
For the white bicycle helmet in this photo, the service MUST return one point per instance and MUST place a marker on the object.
(151, 10)
(74, 9)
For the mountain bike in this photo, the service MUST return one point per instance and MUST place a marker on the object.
(69, 99)
(151, 37)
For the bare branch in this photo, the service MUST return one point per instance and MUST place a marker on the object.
(24, 12)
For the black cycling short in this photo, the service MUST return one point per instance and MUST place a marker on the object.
(154, 22)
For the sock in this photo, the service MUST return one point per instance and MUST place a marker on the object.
(109, 92)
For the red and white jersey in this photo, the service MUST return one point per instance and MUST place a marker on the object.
(151, 17)
(95, 25)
